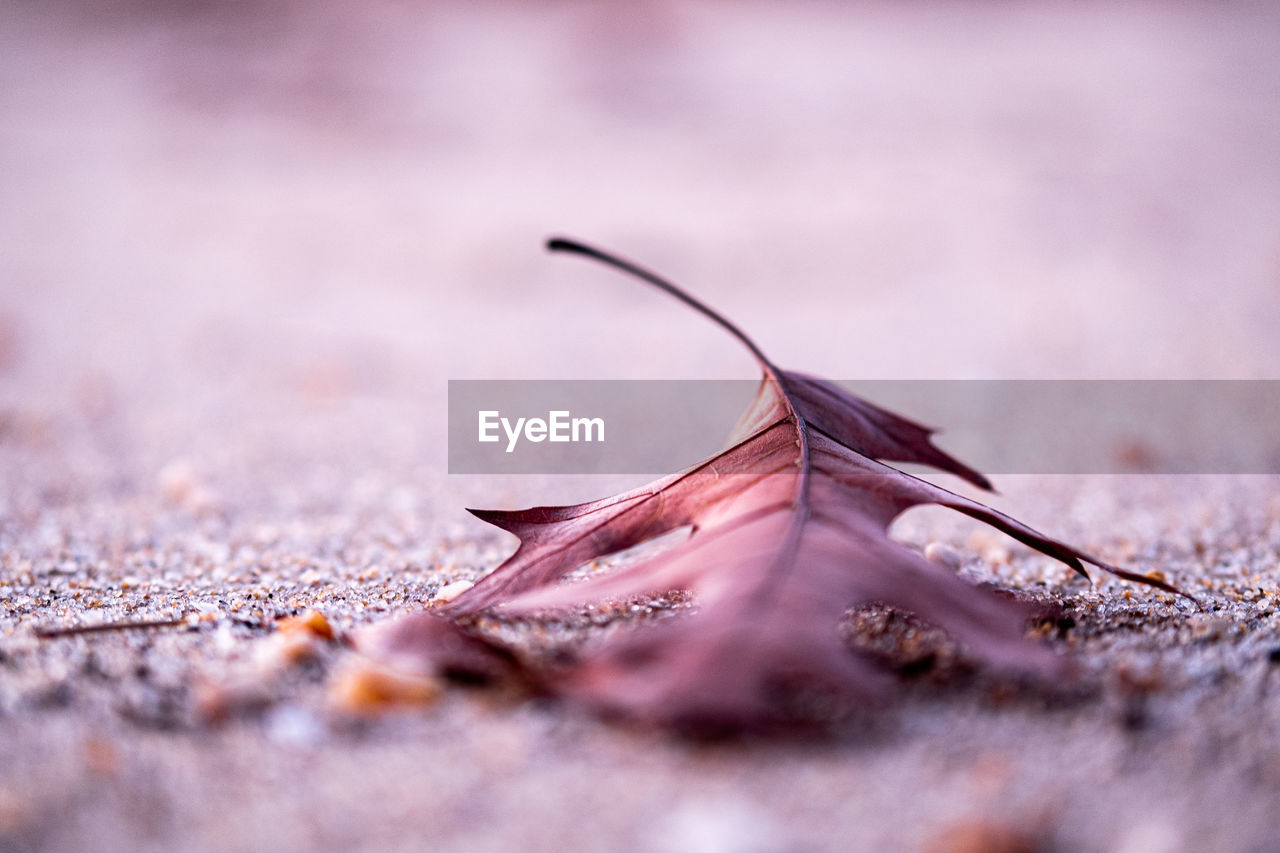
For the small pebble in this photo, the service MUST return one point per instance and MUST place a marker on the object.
(942, 554)
(995, 555)
(450, 591)
(363, 688)
(312, 622)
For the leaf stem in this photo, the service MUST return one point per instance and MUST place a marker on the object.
(801, 501)
(564, 244)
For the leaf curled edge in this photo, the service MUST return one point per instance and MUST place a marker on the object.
(789, 532)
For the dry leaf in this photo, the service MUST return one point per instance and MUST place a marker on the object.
(788, 533)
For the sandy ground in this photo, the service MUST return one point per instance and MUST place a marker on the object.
(243, 247)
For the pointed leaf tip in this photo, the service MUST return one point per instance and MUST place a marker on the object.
(505, 519)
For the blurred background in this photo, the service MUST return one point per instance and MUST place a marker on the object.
(219, 217)
(252, 204)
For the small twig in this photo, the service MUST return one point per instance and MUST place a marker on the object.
(49, 633)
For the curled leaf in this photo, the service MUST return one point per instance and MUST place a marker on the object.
(788, 533)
